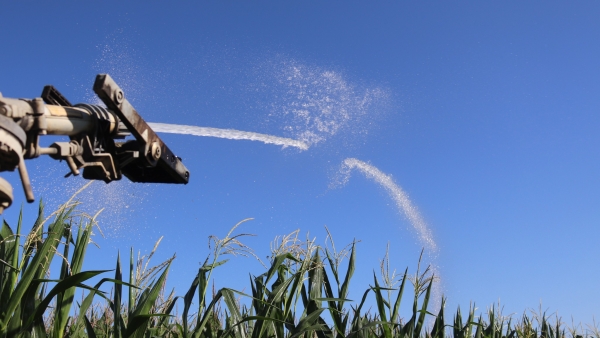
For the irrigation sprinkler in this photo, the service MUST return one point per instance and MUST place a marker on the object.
(92, 131)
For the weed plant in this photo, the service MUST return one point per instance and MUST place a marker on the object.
(304, 292)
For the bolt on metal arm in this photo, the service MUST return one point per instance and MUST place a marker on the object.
(158, 163)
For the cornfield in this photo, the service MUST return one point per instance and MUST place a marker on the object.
(304, 292)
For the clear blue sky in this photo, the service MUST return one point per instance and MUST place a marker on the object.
(485, 113)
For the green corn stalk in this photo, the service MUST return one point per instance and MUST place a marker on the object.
(465, 330)
(116, 305)
(163, 327)
(65, 299)
(79, 323)
(33, 240)
(9, 256)
(382, 305)
(132, 282)
(22, 300)
(336, 302)
(138, 322)
(439, 327)
(272, 306)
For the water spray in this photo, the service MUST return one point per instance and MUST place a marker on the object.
(230, 134)
(399, 196)
(410, 211)
(92, 131)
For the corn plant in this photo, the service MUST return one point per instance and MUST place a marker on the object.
(26, 294)
(304, 292)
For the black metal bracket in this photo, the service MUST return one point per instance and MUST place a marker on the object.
(156, 163)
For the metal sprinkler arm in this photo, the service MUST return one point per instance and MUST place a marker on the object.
(160, 164)
(92, 131)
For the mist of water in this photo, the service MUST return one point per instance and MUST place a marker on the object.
(315, 104)
(230, 134)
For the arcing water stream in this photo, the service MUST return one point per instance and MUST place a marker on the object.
(399, 196)
(230, 134)
(410, 211)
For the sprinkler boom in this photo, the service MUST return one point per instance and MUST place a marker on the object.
(92, 131)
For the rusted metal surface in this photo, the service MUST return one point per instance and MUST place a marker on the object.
(164, 168)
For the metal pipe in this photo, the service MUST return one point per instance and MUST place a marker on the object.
(73, 121)
(48, 151)
(25, 180)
